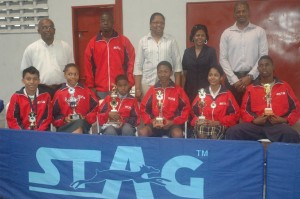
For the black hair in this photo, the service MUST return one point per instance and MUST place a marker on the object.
(266, 57)
(69, 65)
(121, 77)
(156, 14)
(31, 70)
(108, 14)
(165, 63)
(196, 28)
(242, 2)
(218, 68)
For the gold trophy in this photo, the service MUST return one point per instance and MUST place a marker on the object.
(159, 96)
(73, 101)
(268, 109)
(201, 104)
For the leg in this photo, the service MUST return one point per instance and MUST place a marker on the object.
(282, 133)
(78, 131)
(145, 131)
(176, 132)
(127, 130)
(110, 130)
(245, 131)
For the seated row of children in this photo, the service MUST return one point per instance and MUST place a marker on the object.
(164, 109)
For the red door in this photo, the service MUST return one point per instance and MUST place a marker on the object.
(86, 24)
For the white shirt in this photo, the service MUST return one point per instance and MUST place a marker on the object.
(49, 60)
(150, 53)
(240, 50)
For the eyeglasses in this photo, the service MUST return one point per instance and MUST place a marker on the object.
(45, 28)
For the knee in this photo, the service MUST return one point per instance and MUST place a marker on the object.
(145, 131)
(176, 133)
(128, 130)
(110, 130)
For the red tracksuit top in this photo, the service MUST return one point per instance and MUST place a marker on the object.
(104, 61)
(87, 105)
(127, 108)
(227, 111)
(176, 105)
(284, 102)
(19, 108)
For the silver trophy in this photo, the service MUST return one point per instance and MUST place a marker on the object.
(201, 104)
(114, 102)
(32, 120)
(73, 101)
(159, 96)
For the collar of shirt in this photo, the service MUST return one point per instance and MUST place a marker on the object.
(165, 36)
(235, 28)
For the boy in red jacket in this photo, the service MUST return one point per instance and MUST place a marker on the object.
(267, 113)
(30, 108)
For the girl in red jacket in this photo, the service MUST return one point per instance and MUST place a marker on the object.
(165, 107)
(74, 106)
(119, 112)
(217, 110)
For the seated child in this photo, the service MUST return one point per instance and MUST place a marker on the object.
(74, 106)
(219, 110)
(125, 115)
(165, 107)
(30, 108)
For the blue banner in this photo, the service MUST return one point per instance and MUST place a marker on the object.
(60, 165)
(283, 171)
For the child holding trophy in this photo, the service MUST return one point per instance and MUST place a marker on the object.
(165, 107)
(119, 112)
(269, 109)
(215, 108)
(30, 108)
(74, 106)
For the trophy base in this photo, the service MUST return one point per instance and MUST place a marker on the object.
(104, 126)
(202, 117)
(114, 111)
(159, 120)
(268, 111)
(75, 117)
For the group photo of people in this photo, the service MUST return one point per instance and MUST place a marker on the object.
(230, 93)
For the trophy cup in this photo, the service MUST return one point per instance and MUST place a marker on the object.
(268, 109)
(201, 104)
(159, 96)
(72, 101)
(32, 120)
(114, 102)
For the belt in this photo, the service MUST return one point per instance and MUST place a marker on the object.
(241, 73)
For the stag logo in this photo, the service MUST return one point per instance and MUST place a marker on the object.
(124, 175)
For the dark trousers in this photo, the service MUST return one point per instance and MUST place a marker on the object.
(275, 133)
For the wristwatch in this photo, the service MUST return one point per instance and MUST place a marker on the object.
(251, 76)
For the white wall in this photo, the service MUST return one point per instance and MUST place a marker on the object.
(136, 15)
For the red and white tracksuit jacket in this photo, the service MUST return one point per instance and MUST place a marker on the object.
(283, 100)
(19, 108)
(176, 105)
(86, 106)
(104, 61)
(227, 111)
(127, 108)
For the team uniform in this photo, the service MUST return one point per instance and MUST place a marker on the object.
(222, 107)
(104, 61)
(284, 104)
(176, 106)
(21, 105)
(87, 106)
(127, 109)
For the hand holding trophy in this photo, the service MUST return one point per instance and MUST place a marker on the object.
(159, 119)
(32, 120)
(201, 105)
(268, 110)
(114, 118)
(72, 101)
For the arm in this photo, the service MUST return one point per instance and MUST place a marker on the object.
(88, 65)
(93, 107)
(195, 111)
(184, 108)
(103, 111)
(131, 57)
(13, 116)
(58, 117)
(177, 67)
(46, 119)
(138, 87)
(232, 113)
(138, 70)
(146, 107)
(232, 78)
(134, 117)
(246, 110)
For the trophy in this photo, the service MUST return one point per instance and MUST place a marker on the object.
(159, 96)
(32, 120)
(72, 101)
(268, 109)
(201, 104)
(114, 102)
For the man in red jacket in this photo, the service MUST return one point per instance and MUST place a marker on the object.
(267, 115)
(107, 55)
